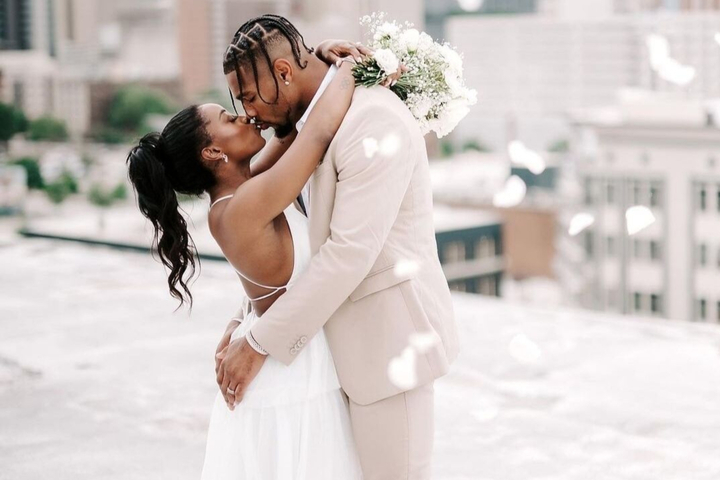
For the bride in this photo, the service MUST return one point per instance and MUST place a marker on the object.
(293, 421)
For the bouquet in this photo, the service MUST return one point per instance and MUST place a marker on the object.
(433, 87)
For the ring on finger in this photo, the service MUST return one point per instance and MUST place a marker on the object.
(231, 391)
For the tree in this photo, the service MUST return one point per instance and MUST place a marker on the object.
(131, 105)
(32, 171)
(474, 145)
(559, 146)
(12, 121)
(48, 128)
(57, 192)
(103, 198)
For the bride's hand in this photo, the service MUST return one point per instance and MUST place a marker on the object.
(332, 51)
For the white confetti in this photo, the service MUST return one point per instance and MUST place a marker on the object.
(422, 342)
(401, 370)
(406, 267)
(512, 193)
(638, 218)
(580, 222)
(524, 350)
(371, 147)
(522, 155)
(390, 144)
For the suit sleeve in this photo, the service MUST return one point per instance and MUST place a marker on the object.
(375, 162)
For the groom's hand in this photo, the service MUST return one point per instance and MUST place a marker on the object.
(238, 367)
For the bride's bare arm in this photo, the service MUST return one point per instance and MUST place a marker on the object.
(271, 153)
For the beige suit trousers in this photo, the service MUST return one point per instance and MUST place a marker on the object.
(394, 437)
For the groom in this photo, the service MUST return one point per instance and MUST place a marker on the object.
(375, 283)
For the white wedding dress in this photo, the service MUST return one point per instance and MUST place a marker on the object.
(293, 422)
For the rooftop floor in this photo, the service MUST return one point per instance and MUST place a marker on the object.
(99, 379)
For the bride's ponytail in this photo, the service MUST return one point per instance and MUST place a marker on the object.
(158, 167)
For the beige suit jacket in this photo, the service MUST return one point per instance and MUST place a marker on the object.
(375, 278)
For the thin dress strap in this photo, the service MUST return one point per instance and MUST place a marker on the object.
(219, 200)
(274, 290)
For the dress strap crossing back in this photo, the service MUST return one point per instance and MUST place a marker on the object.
(273, 290)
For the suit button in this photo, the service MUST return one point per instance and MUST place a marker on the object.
(303, 339)
(293, 350)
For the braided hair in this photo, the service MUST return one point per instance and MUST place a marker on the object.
(253, 41)
(158, 167)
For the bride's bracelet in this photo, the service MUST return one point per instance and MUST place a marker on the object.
(255, 346)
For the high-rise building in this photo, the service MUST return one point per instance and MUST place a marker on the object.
(530, 70)
(15, 25)
(438, 11)
(659, 152)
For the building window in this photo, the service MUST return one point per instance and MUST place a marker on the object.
(638, 302)
(589, 244)
(638, 248)
(610, 194)
(655, 195)
(702, 309)
(702, 255)
(485, 247)
(655, 253)
(454, 252)
(655, 303)
(459, 286)
(610, 247)
(487, 286)
(718, 198)
(637, 193)
(588, 192)
(702, 198)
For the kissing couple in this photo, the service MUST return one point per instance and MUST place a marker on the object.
(327, 370)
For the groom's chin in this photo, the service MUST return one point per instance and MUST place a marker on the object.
(283, 130)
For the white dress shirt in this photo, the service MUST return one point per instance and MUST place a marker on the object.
(301, 123)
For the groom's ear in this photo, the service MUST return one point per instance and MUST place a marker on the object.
(283, 71)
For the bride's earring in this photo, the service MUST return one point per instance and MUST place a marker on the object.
(287, 83)
(225, 158)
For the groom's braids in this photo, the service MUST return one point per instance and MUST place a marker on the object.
(253, 42)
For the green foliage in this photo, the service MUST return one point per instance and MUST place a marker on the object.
(131, 104)
(474, 145)
(32, 170)
(120, 192)
(559, 146)
(446, 148)
(66, 178)
(12, 121)
(57, 191)
(104, 197)
(110, 135)
(48, 128)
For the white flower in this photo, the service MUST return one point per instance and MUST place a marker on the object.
(425, 42)
(421, 107)
(453, 83)
(410, 38)
(453, 59)
(450, 116)
(386, 29)
(386, 60)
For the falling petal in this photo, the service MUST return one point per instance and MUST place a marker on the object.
(522, 155)
(390, 145)
(638, 218)
(580, 222)
(471, 5)
(422, 342)
(406, 267)
(512, 193)
(371, 147)
(401, 370)
(524, 350)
